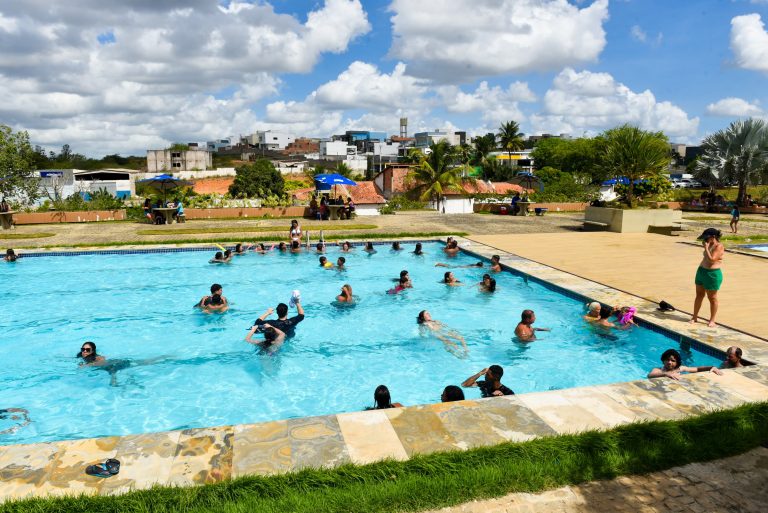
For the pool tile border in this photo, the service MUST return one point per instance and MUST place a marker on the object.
(211, 454)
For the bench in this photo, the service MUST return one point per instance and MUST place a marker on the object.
(595, 226)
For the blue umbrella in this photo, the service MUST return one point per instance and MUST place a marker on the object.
(334, 179)
(164, 183)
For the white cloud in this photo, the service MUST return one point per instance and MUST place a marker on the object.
(460, 40)
(749, 42)
(167, 73)
(734, 107)
(589, 102)
(637, 33)
(494, 103)
(361, 85)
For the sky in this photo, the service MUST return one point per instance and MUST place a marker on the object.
(124, 76)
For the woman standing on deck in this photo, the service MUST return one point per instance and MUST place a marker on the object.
(709, 277)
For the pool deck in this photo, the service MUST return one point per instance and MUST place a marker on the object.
(652, 266)
(211, 454)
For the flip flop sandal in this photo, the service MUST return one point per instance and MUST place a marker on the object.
(107, 469)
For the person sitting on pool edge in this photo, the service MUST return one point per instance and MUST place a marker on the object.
(283, 323)
(673, 367)
(525, 331)
(382, 400)
(732, 358)
(452, 393)
(491, 386)
(216, 302)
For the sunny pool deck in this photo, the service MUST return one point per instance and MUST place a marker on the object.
(206, 455)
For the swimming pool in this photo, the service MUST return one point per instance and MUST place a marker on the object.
(756, 247)
(139, 307)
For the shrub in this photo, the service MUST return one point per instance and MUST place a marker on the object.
(387, 210)
(402, 202)
(257, 180)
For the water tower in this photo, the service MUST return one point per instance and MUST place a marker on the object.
(403, 127)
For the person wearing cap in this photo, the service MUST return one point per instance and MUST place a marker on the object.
(709, 276)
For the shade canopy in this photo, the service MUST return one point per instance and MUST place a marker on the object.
(164, 183)
(333, 179)
(527, 180)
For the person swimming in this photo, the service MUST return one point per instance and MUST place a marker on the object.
(261, 248)
(340, 264)
(401, 286)
(218, 258)
(320, 247)
(324, 263)
(450, 280)
(404, 274)
(369, 248)
(346, 247)
(396, 246)
(90, 358)
(451, 339)
(417, 250)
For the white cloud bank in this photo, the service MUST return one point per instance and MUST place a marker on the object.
(590, 102)
(117, 76)
(749, 42)
(734, 107)
(461, 40)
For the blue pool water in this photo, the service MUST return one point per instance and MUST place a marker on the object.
(139, 307)
(756, 247)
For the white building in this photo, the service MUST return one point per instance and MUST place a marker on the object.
(336, 150)
(269, 140)
(63, 183)
(220, 144)
(170, 161)
(424, 139)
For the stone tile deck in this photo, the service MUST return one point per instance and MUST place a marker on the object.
(206, 455)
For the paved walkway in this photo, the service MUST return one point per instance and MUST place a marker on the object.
(738, 484)
(651, 266)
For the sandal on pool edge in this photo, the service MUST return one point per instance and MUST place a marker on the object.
(107, 469)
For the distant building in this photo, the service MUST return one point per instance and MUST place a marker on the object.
(336, 150)
(425, 139)
(269, 140)
(536, 138)
(169, 161)
(521, 159)
(220, 144)
(303, 146)
(63, 183)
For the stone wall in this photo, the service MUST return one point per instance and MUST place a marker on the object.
(68, 217)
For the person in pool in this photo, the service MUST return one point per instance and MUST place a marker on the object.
(369, 248)
(673, 367)
(320, 247)
(382, 400)
(396, 246)
(346, 247)
(15, 414)
(404, 274)
(90, 358)
(10, 255)
(295, 246)
(218, 258)
(261, 248)
(452, 249)
(417, 250)
(605, 317)
(452, 393)
(491, 386)
(732, 358)
(453, 341)
(450, 280)
(241, 249)
(282, 247)
(216, 302)
(593, 313)
(495, 264)
(283, 323)
(401, 286)
(467, 266)
(346, 294)
(488, 284)
(273, 338)
(525, 332)
(340, 264)
(324, 263)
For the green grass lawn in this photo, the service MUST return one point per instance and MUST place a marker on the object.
(260, 229)
(33, 235)
(445, 479)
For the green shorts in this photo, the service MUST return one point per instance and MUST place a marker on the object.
(710, 279)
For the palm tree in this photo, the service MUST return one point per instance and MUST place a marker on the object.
(510, 138)
(738, 153)
(484, 145)
(343, 169)
(436, 173)
(634, 153)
